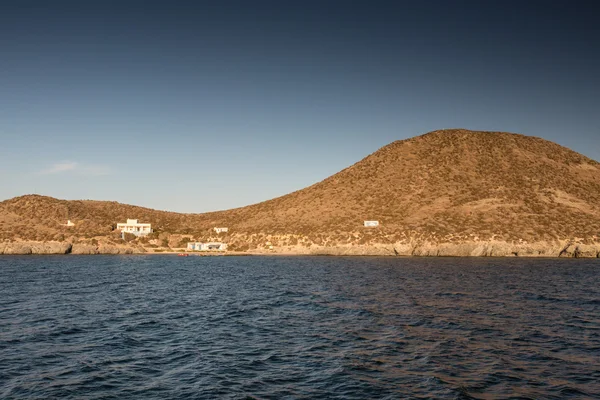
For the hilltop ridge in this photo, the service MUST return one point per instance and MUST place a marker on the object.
(443, 187)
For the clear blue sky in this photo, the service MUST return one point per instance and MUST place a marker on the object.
(195, 106)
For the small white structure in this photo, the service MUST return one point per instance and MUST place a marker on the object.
(219, 230)
(133, 226)
(69, 223)
(371, 224)
(210, 246)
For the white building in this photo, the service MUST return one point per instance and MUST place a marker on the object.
(210, 246)
(371, 224)
(219, 230)
(69, 223)
(133, 226)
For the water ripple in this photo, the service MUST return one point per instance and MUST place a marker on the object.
(157, 327)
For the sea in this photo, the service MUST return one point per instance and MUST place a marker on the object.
(275, 327)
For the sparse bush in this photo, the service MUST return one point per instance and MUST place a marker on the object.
(184, 241)
(128, 237)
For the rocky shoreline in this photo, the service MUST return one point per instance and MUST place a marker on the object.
(566, 249)
(467, 249)
(24, 248)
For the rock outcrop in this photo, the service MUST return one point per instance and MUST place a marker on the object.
(35, 248)
(587, 251)
(502, 249)
(16, 248)
(467, 249)
(105, 249)
(115, 250)
(84, 249)
(24, 248)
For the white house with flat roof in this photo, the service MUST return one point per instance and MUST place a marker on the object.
(134, 227)
(371, 224)
(219, 230)
(210, 246)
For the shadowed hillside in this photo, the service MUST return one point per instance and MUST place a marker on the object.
(444, 186)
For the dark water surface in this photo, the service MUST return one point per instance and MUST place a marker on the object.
(160, 327)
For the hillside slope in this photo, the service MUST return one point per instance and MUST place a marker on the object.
(444, 186)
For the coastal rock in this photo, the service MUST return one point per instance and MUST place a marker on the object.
(84, 249)
(17, 248)
(35, 248)
(450, 250)
(496, 249)
(105, 249)
(568, 250)
(425, 250)
(586, 251)
(402, 249)
(537, 250)
(499, 249)
(462, 250)
(413, 248)
(51, 248)
(430, 249)
(342, 250)
(110, 249)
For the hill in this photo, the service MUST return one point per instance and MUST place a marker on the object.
(447, 186)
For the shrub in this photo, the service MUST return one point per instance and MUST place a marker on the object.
(128, 237)
(184, 241)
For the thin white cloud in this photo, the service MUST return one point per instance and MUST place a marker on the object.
(60, 167)
(76, 168)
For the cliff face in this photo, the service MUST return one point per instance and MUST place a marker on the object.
(449, 192)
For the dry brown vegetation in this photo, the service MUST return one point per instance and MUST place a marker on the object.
(444, 186)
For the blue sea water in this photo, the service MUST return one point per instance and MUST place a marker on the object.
(164, 327)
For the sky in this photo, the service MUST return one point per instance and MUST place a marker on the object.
(195, 106)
